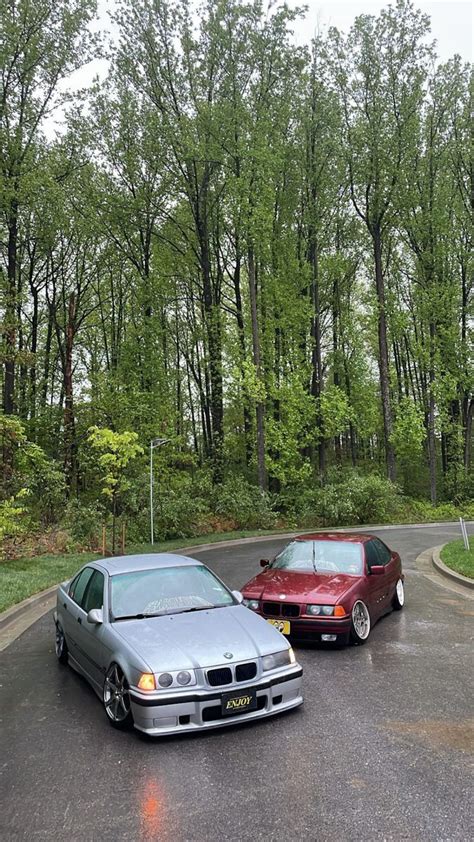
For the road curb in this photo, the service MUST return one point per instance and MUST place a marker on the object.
(447, 572)
(16, 619)
(16, 611)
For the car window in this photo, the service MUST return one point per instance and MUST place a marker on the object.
(79, 584)
(383, 552)
(371, 553)
(167, 590)
(94, 595)
(323, 556)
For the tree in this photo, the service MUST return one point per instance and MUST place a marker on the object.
(115, 452)
(40, 45)
(379, 71)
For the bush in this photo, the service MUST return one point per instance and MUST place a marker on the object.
(181, 515)
(347, 497)
(245, 505)
(84, 522)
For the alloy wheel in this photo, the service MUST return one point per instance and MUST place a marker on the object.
(116, 696)
(399, 596)
(60, 645)
(360, 620)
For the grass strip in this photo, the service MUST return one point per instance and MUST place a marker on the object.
(455, 556)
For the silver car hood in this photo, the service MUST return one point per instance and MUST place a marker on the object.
(200, 639)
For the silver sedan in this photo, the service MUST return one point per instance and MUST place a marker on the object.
(169, 648)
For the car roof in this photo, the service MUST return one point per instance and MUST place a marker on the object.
(148, 561)
(352, 537)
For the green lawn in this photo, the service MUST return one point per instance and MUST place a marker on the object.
(458, 558)
(26, 576)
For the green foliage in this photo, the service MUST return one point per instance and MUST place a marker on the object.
(115, 452)
(335, 411)
(83, 522)
(243, 504)
(348, 497)
(12, 517)
(408, 431)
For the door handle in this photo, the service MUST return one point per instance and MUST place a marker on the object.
(65, 605)
(79, 621)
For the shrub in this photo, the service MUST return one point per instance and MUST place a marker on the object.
(84, 522)
(246, 505)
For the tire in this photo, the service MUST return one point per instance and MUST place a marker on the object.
(360, 623)
(399, 596)
(116, 698)
(60, 646)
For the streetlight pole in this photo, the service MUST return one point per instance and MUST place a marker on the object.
(154, 443)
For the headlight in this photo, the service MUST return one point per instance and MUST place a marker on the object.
(251, 603)
(327, 610)
(278, 659)
(180, 678)
(183, 677)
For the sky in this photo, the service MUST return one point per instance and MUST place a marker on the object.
(452, 23)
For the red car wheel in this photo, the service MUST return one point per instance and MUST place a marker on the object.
(360, 623)
(399, 596)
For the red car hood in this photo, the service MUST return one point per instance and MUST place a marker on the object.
(298, 586)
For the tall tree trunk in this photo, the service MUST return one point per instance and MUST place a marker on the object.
(431, 418)
(242, 348)
(260, 406)
(213, 333)
(10, 311)
(316, 357)
(70, 447)
(383, 354)
(335, 364)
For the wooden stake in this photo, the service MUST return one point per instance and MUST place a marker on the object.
(123, 538)
(103, 541)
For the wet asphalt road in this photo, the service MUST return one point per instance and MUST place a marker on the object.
(382, 748)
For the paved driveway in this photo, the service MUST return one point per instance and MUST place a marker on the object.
(380, 750)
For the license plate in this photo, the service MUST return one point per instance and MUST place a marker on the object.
(283, 626)
(243, 702)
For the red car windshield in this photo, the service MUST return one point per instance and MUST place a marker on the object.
(322, 556)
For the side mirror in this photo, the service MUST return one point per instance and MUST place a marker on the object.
(238, 596)
(377, 569)
(95, 616)
(264, 562)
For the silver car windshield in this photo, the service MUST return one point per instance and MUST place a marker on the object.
(166, 590)
(324, 556)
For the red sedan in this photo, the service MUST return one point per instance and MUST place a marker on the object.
(331, 587)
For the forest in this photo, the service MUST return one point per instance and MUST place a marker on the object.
(254, 251)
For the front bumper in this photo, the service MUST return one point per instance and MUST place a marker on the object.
(311, 628)
(200, 710)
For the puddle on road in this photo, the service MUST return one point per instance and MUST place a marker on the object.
(437, 733)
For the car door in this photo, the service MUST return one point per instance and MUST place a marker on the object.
(90, 636)
(71, 612)
(376, 584)
(391, 562)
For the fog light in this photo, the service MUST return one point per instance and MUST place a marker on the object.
(329, 638)
(166, 722)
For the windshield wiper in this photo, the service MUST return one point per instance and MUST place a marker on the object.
(129, 617)
(314, 556)
(196, 608)
(141, 616)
